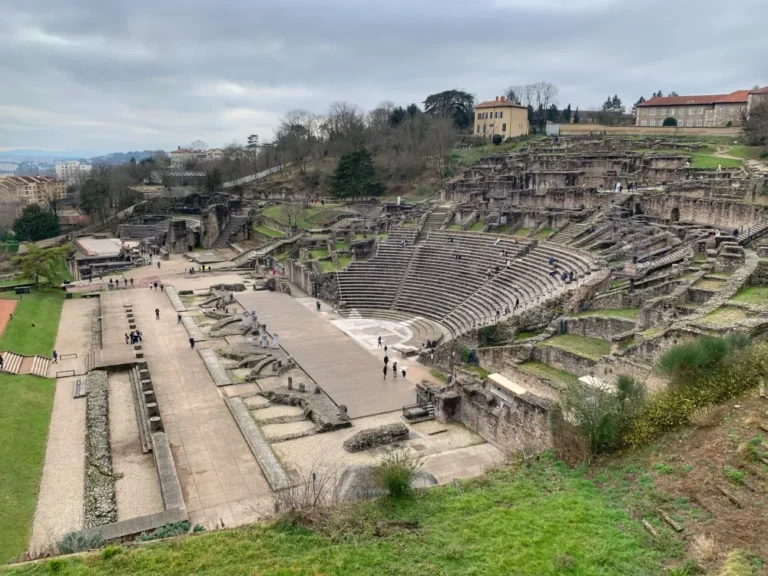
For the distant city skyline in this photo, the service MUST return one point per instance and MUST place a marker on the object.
(144, 75)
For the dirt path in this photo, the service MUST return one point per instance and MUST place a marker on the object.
(138, 490)
(6, 309)
(60, 501)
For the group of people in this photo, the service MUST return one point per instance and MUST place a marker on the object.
(191, 270)
(154, 285)
(394, 367)
(133, 338)
(554, 273)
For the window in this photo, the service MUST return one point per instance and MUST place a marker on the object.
(499, 114)
(699, 122)
(653, 113)
(682, 111)
(503, 127)
(643, 123)
(671, 111)
(690, 122)
(720, 109)
(484, 127)
(681, 121)
(662, 111)
(741, 108)
(691, 112)
(701, 110)
(653, 122)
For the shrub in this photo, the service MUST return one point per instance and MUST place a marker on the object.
(54, 566)
(167, 531)
(80, 542)
(688, 362)
(733, 474)
(497, 139)
(110, 551)
(395, 472)
(603, 415)
(669, 122)
(493, 335)
(678, 405)
(466, 354)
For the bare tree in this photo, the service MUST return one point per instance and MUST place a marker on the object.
(198, 145)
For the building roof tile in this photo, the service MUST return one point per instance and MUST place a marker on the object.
(499, 104)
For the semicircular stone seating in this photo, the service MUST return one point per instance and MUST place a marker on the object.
(461, 280)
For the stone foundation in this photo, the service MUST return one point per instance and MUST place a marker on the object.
(100, 498)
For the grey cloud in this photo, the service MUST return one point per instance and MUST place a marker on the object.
(114, 75)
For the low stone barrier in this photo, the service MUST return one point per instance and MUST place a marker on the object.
(100, 499)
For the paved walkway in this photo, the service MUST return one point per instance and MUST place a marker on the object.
(219, 476)
(342, 368)
(60, 500)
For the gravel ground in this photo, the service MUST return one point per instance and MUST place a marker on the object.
(276, 411)
(325, 451)
(60, 502)
(138, 491)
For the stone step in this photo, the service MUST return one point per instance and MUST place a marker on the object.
(11, 362)
(40, 366)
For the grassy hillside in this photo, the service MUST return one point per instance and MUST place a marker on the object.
(24, 415)
(544, 519)
(35, 322)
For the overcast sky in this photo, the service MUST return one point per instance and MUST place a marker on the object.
(107, 75)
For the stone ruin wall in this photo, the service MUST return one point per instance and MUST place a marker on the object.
(215, 219)
(721, 214)
(517, 424)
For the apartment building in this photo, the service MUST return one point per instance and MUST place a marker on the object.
(73, 172)
(500, 116)
(181, 157)
(702, 111)
(31, 189)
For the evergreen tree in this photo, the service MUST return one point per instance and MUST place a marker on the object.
(567, 113)
(576, 118)
(553, 113)
(36, 223)
(454, 104)
(355, 176)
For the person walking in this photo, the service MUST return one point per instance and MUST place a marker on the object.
(178, 318)
(162, 288)
(402, 371)
(191, 343)
(127, 339)
(155, 285)
(131, 282)
(158, 263)
(394, 369)
(157, 313)
(385, 371)
(379, 341)
(318, 305)
(385, 349)
(125, 280)
(386, 359)
(55, 357)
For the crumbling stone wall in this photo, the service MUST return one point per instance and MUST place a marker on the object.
(215, 219)
(518, 424)
(760, 276)
(563, 359)
(597, 327)
(100, 498)
(379, 436)
(723, 214)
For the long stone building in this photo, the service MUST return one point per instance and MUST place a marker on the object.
(26, 190)
(702, 111)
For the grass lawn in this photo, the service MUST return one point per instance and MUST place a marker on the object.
(522, 232)
(343, 246)
(476, 370)
(24, 415)
(522, 335)
(704, 161)
(454, 227)
(328, 266)
(438, 375)
(271, 232)
(724, 316)
(526, 522)
(477, 226)
(317, 254)
(547, 372)
(650, 332)
(700, 257)
(752, 295)
(43, 308)
(592, 348)
(623, 313)
(543, 233)
(745, 152)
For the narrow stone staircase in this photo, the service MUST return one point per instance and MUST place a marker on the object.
(752, 233)
(18, 364)
(234, 224)
(250, 255)
(434, 221)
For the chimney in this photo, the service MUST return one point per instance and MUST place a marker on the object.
(497, 98)
(503, 98)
